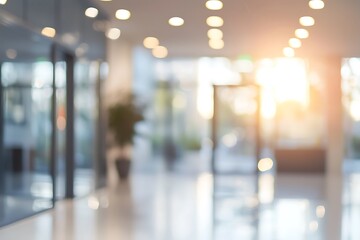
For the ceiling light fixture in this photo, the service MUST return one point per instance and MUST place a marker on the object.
(215, 33)
(301, 33)
(307, 21)
(215, 21)
(176, 21)
(91, 12)
(216, 43)
(3, 2)
(294, 43)
(122, 14)
(316, 4)
(113, 33)
(214, 4)
(48, 32)
(150, 42)
(288, 52)
(160, 52)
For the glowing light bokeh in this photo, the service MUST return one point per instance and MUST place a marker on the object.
(214, 5)
(215, 33)
(301, 33)
(122, 14)
(176, 21)
(160, 52)
(265, 164)
(307, 21)
(113, 33)
(91, 12)
(151, 42)
(214, 21)
(216, 43)
(295, 43)
(288, 52)
(48, 32)
(316, 4)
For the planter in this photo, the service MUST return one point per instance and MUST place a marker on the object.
(123, 167)
(300, 160)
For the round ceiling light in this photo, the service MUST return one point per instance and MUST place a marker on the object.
(151, 42)
(122, 14)
(288, 52)
(176, 21)
(316, 4)
(301, 33)
(91, 12)
(215, 33)
(216, 43)
(160, 52)
(294, 43)
(307, 21)
(214, 4)
(215, 21)
(48, 32)
(113, 33)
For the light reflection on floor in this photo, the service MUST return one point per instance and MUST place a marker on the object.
(174, 206)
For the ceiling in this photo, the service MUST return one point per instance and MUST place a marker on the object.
(259, 28)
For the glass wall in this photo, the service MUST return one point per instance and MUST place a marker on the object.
(26, 184)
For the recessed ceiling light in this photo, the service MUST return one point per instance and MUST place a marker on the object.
(288, 52)
(294, 43)
(176, 21)
(150, 42)
(214, 4)
(91, 12)
(113, 33)
(307, 21)
(301, 33)
(11, 53)
(48, 32)
(216, 43)
(215, 21)
(160, 52)
(3, 2)
(316, 4)
(122, 14)
(215, 33)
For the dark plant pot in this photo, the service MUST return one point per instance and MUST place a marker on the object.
(123, 167)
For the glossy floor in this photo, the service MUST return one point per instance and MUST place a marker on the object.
(176, 206)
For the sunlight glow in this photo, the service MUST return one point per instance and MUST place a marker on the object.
(266, 188)
(355, 110)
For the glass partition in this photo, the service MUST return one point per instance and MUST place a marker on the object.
(26, 128)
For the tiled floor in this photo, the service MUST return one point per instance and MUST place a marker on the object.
(179, 206)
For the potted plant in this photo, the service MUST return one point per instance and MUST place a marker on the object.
(122, 119)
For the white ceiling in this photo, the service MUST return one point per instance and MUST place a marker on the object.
(260, 28)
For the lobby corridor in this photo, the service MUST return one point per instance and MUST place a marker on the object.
(180, 206)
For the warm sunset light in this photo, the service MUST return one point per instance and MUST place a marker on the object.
(214, 4)
(122, 14)
(48, 32)
(301, 33)
(215, 21)
(316, 4)
(176, 21)
(150, 42)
